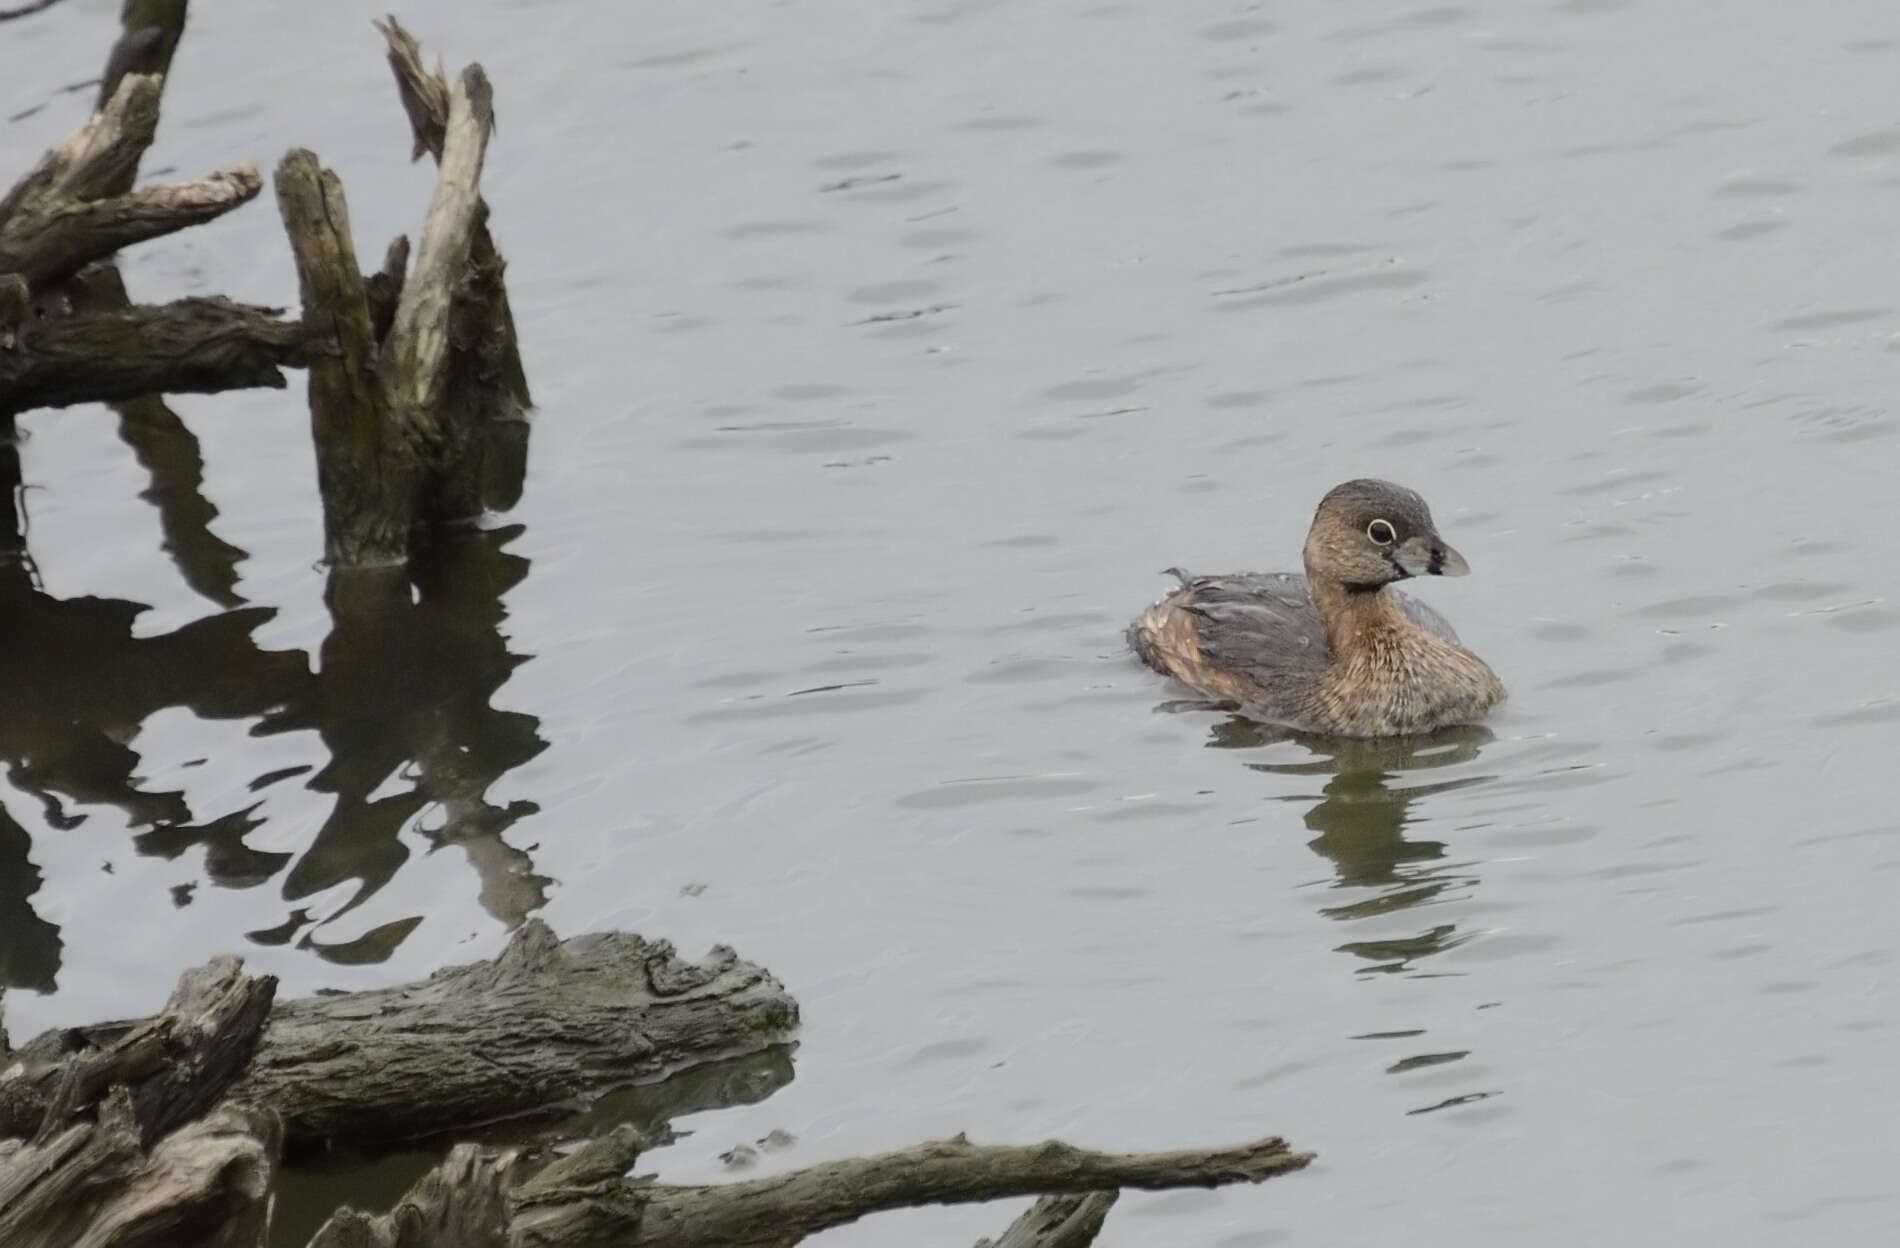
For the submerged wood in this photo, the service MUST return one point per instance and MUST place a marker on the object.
(188, 346)
(487, 383)
(76, 206)
(1057, 1222)
(417, 393)
(586, 1199)
(130, 1145)
(175, 1065)
(365, 467)
(462, 1203)
(207, 1185)
(418, 417)
(419, 339)
(129, 1151)
(766, 1213)
(545, 1026)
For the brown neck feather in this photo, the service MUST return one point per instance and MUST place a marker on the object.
(1355, 618)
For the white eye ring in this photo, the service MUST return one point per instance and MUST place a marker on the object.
(1382, 533)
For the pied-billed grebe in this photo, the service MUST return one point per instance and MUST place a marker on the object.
(1334, 651)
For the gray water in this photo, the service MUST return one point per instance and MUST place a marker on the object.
(883, 354)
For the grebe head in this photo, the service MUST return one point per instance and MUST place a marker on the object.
(1369, 533)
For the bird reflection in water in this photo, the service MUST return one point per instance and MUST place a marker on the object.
(399, 695)
(1361, 816)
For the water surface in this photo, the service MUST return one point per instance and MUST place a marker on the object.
(884, 354)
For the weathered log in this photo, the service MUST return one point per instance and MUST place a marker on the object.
(189, 346)
(583, 1198)
(153, 1164)
(400, 412)
(586, 1198)
(462, 1203)
(769, 1213)
(543, 1028)
(417, 392)
(207, 1185)
(1057, 1222)
(46, 242)
(176, 1065)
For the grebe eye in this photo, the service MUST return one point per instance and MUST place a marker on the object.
(1382, 532)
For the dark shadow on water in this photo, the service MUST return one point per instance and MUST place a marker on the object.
(399, 695)
(403, 693)
(311, 1188)
(1360, 817)
(169, 452)
(29, 945)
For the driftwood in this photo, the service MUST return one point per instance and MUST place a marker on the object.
(44, 243)
(130, 1151)
(544, 1027)
(417, 393)
(75, 208)
(419, 414)
(147, 1135)
(187, 346)
(486, 382)
(586, 1198)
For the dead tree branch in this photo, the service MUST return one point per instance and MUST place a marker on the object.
(586, 1198)
(59, 239)
(769, 1213)
(189, 346)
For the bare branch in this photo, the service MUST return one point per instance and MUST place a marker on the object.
(99, 159)
(44, 243)
(769, 1213)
